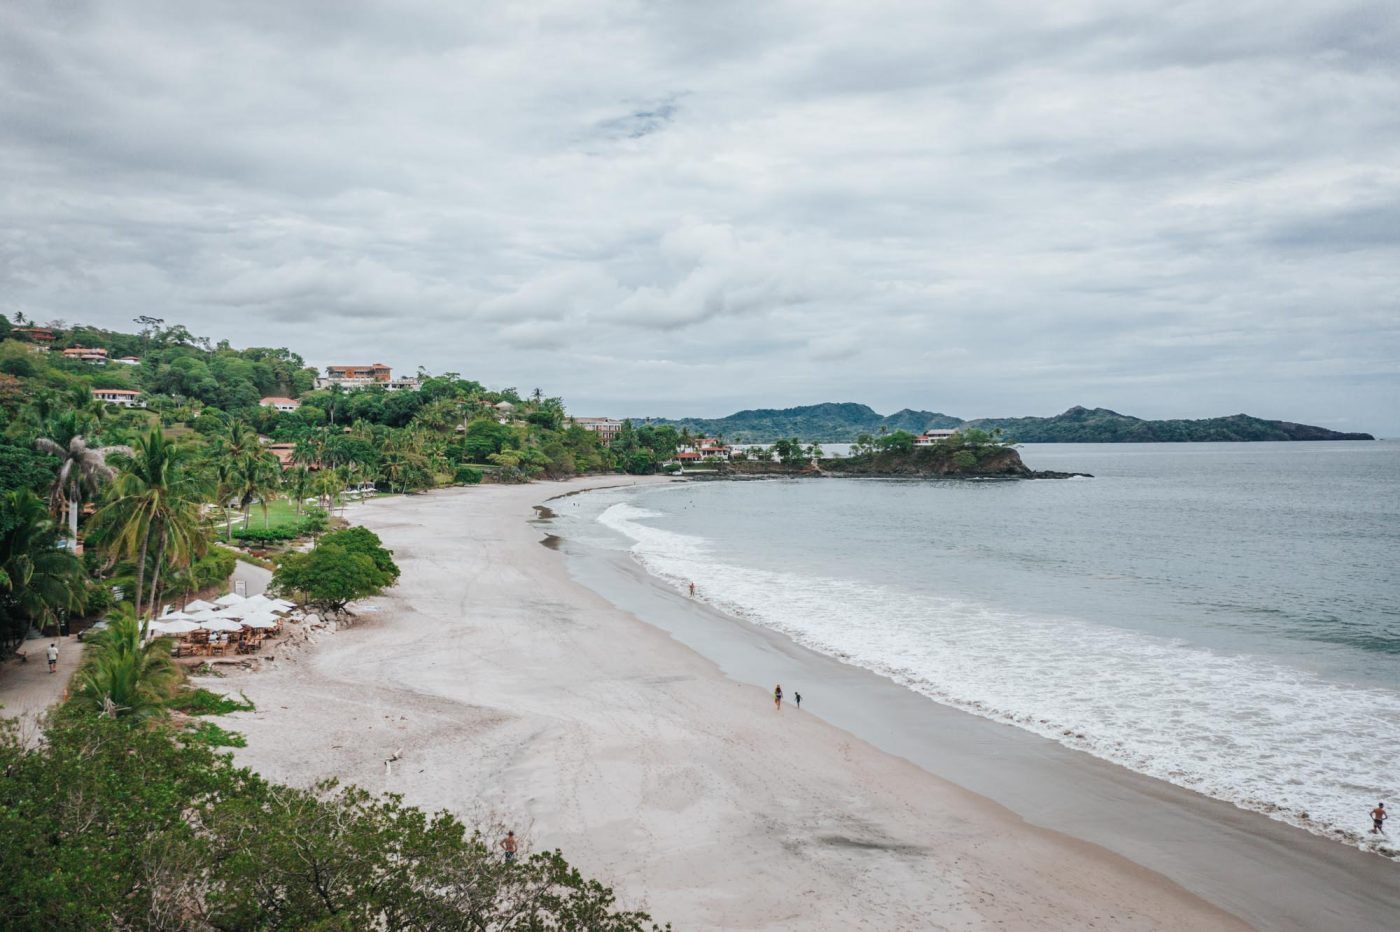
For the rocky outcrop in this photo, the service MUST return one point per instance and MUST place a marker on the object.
(991, 462)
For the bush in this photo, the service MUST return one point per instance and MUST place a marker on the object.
(211, 735)
(203, 702)
(670, 468)
(343, 566)
(113, 826)
(467, 475)
(267, 535)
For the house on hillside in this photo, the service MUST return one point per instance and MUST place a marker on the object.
(128, 360)
(96, 357)
(123, 397)
(33, 334)
(374, 374)
(280, 403)
(605, 427)
(930, 437)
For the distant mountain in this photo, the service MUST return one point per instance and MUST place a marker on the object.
(842, 423)
(830, 423)
(1100, 425)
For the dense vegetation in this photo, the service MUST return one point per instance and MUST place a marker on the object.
(125, 815)
(844, 423)
(111, 823)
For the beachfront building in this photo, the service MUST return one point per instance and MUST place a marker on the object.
(605, 427)
(96, 357)
(372, 375)
(704, 448)
(930, 437)
(280, 403)
(122, 397)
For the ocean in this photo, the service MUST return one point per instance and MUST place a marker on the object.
(1225, 617)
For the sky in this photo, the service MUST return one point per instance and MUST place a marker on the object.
(683, 208)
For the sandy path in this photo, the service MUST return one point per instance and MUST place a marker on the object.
(513, 691)
(28, 689)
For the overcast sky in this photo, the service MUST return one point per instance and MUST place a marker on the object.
(1170, 209)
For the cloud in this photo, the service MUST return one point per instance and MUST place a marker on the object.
(986, 208)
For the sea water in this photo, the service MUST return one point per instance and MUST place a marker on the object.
(1222, 616)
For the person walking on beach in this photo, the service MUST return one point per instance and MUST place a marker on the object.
(778, 696)
(508, 845)
(797, 698)
(1378, 817)
(692, 588)
(52, 654)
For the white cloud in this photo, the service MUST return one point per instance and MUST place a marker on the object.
(980, 208)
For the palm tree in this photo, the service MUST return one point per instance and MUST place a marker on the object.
(155, 502)
(38, 581)
(125, 676)
(83, 467)
(297, 481)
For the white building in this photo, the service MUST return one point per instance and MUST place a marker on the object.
(930, 437)
(280, 403)
(605, 427)
(119, 396)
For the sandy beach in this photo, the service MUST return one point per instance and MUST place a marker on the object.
(515, 694)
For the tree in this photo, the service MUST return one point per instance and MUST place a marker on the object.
(83, 467)
(155, 503)
(123, 675)
(38, 581)
(115, 823)
(329, 577)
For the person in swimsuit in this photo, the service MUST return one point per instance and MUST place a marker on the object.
(692, 590)
(777, 697)
(508, 845)
(797, 698)
(1378, 817)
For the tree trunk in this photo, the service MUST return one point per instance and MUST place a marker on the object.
(155, 578)
(141, 571)
(73, 506)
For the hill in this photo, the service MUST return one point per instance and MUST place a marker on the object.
(830, 422)
(844, 422)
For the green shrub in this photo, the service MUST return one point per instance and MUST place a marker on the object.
(211, 735)
(467, 475)
(203, 702)
(671, 468)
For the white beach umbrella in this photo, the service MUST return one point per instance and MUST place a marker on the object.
(232, 598)
(261, 623)
(282, 605)
(220, 624)
(179, 626)
(199, 605)
(174, 616)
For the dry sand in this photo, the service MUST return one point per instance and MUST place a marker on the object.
(516, 693)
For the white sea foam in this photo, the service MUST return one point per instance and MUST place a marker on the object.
(1238, 728)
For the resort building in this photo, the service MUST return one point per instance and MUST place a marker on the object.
(34, 334)
(280, 403)
(284, 453)
(374, 374)
(704, 448)
(97, 357)
(124, 397)
(930, 437)
(127, 360)
(605, 427)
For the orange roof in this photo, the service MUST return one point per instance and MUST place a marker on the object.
(279, 400)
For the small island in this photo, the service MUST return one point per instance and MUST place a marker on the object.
(939, 454)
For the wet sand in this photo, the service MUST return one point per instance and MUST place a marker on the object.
(516, 694)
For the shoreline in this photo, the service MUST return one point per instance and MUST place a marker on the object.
(519, 696)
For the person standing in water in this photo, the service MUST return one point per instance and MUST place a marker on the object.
(1378, 817)
(692, 588)
(778, 696)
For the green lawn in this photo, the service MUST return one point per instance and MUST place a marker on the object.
(279, 512)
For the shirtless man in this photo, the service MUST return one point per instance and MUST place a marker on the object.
(1378, 817)
(508, 845)
(692, 590)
